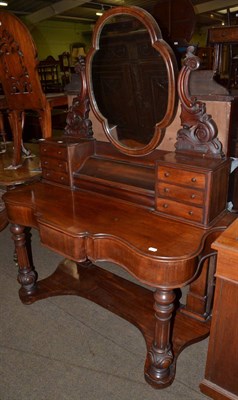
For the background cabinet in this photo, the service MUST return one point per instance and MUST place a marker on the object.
(222, 361)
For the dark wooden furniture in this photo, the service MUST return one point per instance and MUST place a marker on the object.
(205, 88)
(29, 172)
(20, 81)
(152, 212)
(49, 72)
(222, 360)
(3, 135)
(225, 40)
(177, 20)
(206, 56)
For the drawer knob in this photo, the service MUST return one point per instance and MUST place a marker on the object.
(190, 212)
(165, 205)
(166, 174)
(48, 174)
(166, 190)
(59, 152)
(62, 178)
(60, 165)
(44, 149)
(45, 162)
(194, 180)
(193, 196)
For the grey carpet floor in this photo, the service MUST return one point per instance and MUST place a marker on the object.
(67, 348)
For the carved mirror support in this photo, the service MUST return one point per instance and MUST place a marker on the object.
(78, 123)
(199, 131)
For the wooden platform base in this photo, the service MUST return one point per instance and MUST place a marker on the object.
(216, 392)
(122, 297)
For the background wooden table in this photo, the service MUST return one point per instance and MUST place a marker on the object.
(29, 171)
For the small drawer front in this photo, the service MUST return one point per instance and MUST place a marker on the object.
(55, 164)
(55, 176)
(182, 177)
(193, 196)
(180, 210)
(53, 151)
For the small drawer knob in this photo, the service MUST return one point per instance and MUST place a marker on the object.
(60, 165)
(194, 180)
(165, 205)
(166, 190)
(190, 212)
(62, 178)
(59, 152)
(167, 174)
(45, 162)
(48, 174)
(193, 196)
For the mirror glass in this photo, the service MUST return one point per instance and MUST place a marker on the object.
(129, 81)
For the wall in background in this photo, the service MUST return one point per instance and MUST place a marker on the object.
(200, 37)
(55, 37)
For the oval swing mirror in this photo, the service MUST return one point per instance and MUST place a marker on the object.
(131, 76)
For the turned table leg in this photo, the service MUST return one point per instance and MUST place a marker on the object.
(26, 274)
(160, 355)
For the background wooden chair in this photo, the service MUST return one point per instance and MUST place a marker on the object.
(49, 71)
(20, 81)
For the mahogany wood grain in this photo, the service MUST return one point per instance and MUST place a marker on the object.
(221, 373)
(201, 292)
(20, 81)
(73, 215)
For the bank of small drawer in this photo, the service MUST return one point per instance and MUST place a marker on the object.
(53, 151)
(182, 177)
(55, 164)
(180, 210)
(55, 176)
(185, 194)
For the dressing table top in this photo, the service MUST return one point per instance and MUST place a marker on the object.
(102, 228)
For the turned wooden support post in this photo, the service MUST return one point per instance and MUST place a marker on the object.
(160, 354)
(26, 274)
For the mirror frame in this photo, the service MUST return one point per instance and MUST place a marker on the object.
(171, 66)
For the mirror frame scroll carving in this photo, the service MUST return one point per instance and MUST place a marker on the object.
(199, 131)
(171, 66)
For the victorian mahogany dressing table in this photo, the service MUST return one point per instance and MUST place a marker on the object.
(152, 212)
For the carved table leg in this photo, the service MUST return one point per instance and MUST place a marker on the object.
(26, 274)
(160, 357)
